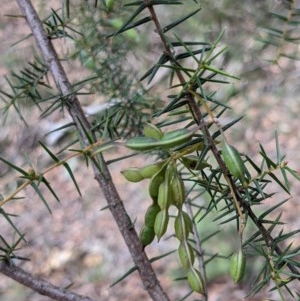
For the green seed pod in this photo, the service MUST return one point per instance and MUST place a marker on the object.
(132, 174)
(176, 138)
(237, 266)
(152, 131)
(169, 140)
(161, 223)
(195, 280)
(155, 182)
(151, 214)
(142, 143)
(183, 226)
(175, 134)
(188, 222)
(181, 232)
(149, 170)
(164, 195)
(234, 162)
(146, 235)
(178, 190)
(186, 254)
(192, 162)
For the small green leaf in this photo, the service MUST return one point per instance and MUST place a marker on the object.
(272, 175)
(125, 26)
(54, 158)
(20, 170)
(294, 173)
(43, 180)
(6, 216)
(39, 193)
(177, 22)
(66, 165)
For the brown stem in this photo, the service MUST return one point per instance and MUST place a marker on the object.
(39, 285)
(102, 175)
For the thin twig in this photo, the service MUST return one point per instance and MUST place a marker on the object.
(39, 285)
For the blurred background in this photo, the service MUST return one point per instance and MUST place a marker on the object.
(78, 244)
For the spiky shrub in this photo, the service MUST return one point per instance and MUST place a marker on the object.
(196, 174)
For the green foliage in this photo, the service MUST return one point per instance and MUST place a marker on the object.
(183, 134)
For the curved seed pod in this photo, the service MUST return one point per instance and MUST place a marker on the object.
(234, 162)
(186, 254)
(155, 182)
(142, 143)
(181, 231)
(164, 195)
(176, 138)
(237, 266)
(151, 214)
(146, 235)
(178, 190)
(192, 162)
(152, 131)
(166, 191)
(132, 174)
(195, 280)
(176, 133)
(169, 140)
(188, 221)
(149, 170)
(161, 223)
(182, 225)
